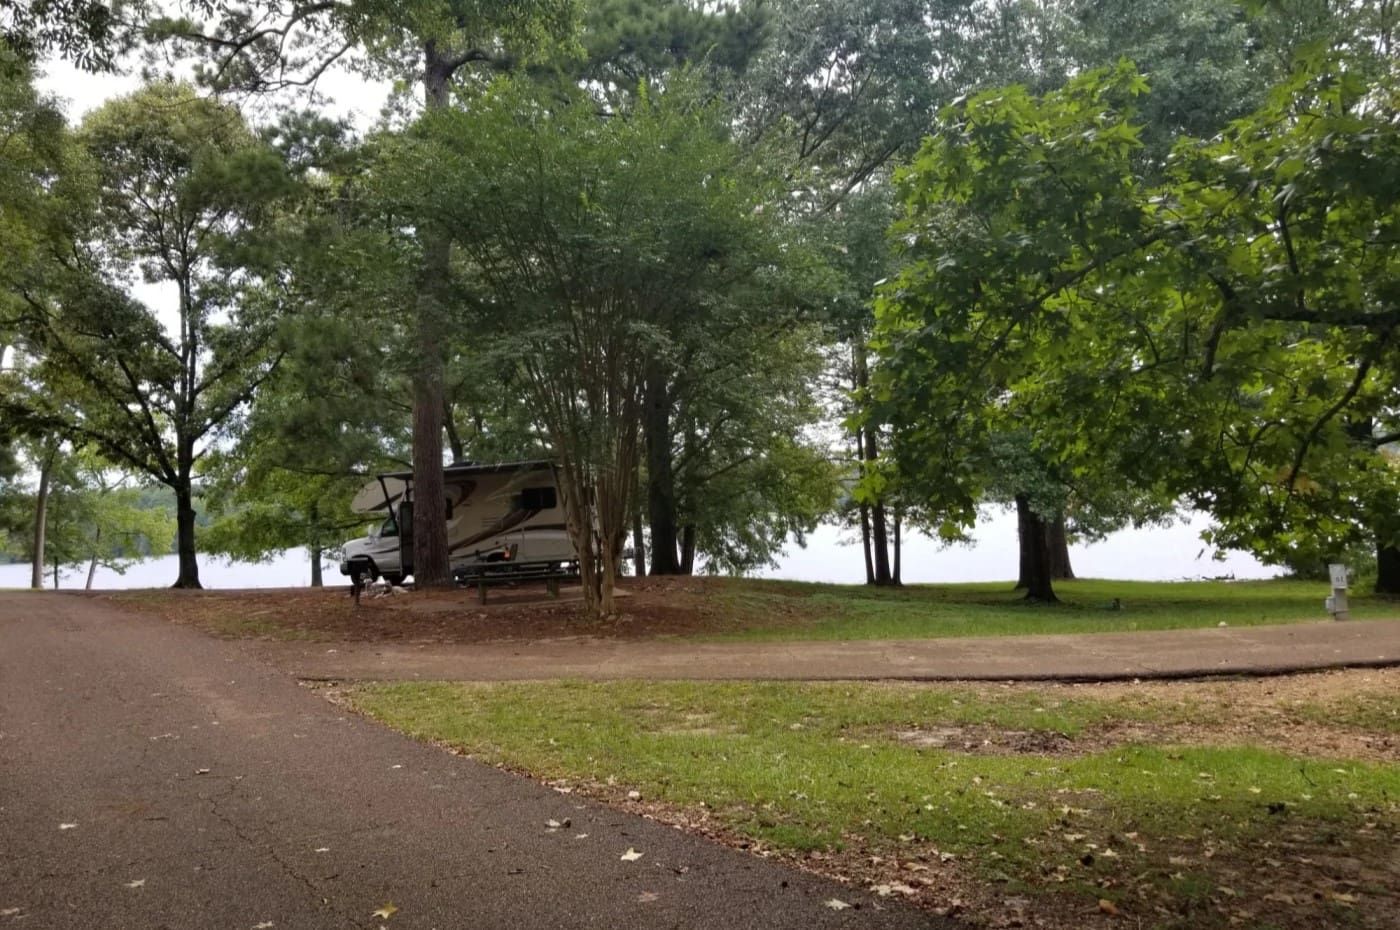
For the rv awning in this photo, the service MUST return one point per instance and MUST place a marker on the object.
(378, 494)
(389, 488)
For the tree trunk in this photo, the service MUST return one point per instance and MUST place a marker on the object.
(661, 476)
(184, 537)
(41, 522)
(865, 544)
(430, 556)
(1058, 541)
(1023, 546)
(869, 452)
(92, 565)
(879, 533)
(55, 575)
(1387, 569)
(316, 580)
(611, 569)
(1035, 553)
(688, 549)
(898, 568)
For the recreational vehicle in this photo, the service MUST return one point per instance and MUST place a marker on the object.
(500, 519)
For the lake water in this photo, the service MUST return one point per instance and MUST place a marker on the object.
(1151, 554)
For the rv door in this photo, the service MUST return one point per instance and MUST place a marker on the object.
(406, 521)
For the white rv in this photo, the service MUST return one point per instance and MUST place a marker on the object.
(500, 519)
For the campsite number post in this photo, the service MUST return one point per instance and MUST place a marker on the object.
(1337, 603)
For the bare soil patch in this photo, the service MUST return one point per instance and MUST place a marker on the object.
(650, 607)
(984, 740)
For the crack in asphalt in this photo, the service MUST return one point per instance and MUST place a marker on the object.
(213, 802)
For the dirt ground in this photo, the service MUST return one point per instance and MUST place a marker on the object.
(649, 607)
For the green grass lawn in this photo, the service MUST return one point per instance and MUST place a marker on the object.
(840, 770)
(776, 610)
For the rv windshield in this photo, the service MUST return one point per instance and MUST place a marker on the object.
(390, 528)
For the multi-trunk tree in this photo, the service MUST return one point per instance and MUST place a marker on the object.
(589, 240)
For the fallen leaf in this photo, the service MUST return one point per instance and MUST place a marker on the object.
(323, 849)
(634, 795)
(1109, 908)
(553, 824)
(631, 855)
(580, 836)
(9, 911)
(201, 771)
(646, 897)
(386, 911)
(836, 904)
(136, 883)
(265, 925)
(68, 826)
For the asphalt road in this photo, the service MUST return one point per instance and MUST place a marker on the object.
(153, 778)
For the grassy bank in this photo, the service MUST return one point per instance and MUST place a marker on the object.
(1088, 606)
(1179, 807)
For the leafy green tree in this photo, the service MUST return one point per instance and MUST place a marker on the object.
(747, 472)
(34, 149)
(588, 241)
(624, 43)
(82, 511)
(1221, 337)
(448, 46)
(1011, 189)
(183, 195)
(90, 33)
(265, 511)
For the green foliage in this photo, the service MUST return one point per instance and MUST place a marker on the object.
(843, 86)
(1222, 336)
(1005, 208)
(265, 47)
(89, 33)
(748, 476)
(162, 187)
(94, 516)
(624, 43)
(590, 244)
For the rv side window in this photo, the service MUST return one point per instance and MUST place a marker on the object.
(538, 499)
(390, 528)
